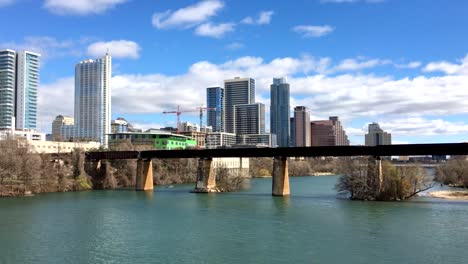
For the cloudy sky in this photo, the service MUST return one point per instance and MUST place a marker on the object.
(401, 63)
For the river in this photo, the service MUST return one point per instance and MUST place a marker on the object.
(171, 225)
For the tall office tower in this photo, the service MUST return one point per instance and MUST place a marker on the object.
(215, 99)
(249, 119)
(292, 132)
(236, 91)
(341, 137)
(328, 133)
(302, 126)
(376, 136)
(7, 89)
(279, 111)
(27, 82)
(93, 99)
(63, 128)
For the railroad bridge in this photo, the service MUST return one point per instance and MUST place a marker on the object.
(206, 180)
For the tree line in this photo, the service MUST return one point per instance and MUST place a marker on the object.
(22, 172)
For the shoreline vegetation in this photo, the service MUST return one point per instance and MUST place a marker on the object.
(23, 174)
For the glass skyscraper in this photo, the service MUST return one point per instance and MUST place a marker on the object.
(27, 82)
(19, 80)
(237, 91)
(7, 88)
(215, 99)
(93, 100)
(279, 111)
(250, 119)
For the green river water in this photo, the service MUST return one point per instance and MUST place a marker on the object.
(171, 225)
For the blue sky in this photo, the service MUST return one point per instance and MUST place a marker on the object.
(401, 63)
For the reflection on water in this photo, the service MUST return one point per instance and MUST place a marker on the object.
(172, 225)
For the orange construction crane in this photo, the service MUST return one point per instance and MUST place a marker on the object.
(179, 112)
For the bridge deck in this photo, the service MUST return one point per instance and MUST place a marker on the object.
(336, 151)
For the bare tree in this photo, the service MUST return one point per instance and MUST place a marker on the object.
(454, 172)
(229, 180)
(398, 183)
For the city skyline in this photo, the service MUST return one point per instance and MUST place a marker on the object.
(332, 72)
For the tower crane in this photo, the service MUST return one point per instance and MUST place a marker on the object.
(201, 108)
(179, 112)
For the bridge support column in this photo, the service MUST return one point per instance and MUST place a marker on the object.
(280, 186)
(144, 176)
(206, 179)
(92, 168)
(374, 174)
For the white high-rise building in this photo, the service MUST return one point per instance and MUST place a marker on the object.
(93, 100)
(27, 82)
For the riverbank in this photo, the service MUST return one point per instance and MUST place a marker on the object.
(451, 194)
(315, 174)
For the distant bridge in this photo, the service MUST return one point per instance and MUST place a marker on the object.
(206, 179)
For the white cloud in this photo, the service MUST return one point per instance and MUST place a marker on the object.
(418, 126)
(352, 1)
(6, 2)
(235, 46)
(264, 18)
(48, 47)
(309, 31)
(116, 48)
(55, 99)
(397, 101)
(360, 64)
(81, 7)
(409, 65)
(145, 126)
(448, 67)
(351, 131)
(348, 95)
(189, 16)
(214, 30)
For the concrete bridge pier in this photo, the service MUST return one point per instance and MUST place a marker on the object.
(206, 179)
(280, 185)
(374, 174)
(144, 176)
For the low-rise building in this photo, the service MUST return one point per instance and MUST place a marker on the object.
(153, 141)
(59, 147)
(22, 134)
(220, 139)
(200, 137)
(264, 140)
